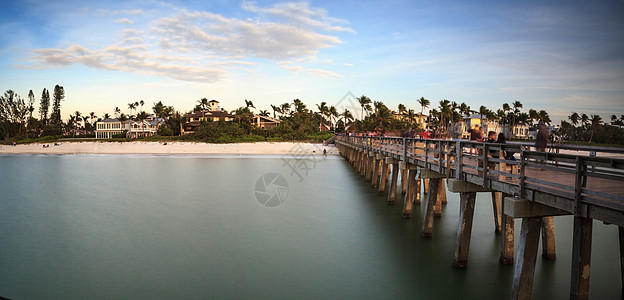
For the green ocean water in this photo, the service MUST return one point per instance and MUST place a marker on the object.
(191, 227)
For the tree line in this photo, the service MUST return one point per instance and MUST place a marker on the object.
(297, 120)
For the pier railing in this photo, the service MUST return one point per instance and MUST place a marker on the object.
(589, 185)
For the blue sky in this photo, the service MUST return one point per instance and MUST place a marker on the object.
(561, 56)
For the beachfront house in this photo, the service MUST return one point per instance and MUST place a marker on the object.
(265, 122)
(106, 129)
(144, 128)
(213, 114)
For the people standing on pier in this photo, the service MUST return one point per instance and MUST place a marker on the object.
(457, 130)
(541, 140)
(476, 134)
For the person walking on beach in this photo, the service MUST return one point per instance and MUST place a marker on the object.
(324, 152)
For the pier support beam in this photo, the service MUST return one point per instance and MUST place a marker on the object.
(384, 176)
(441, 199)
(393, 180)
(417, 188)
(621, 231)
(464, 230)
(408, 200)
(581, 257)
(548, 238)
(404, 174)
(371, 165)
(434, 179)
(527, 253)
(432, 198)
(364, 163)
(507, 244)
(497, 206)
(377, 170)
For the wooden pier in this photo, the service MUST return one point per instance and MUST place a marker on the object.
(533, 186)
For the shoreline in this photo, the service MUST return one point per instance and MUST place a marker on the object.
(171, 148)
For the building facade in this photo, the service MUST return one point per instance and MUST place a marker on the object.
(213, 114)
(106, 129)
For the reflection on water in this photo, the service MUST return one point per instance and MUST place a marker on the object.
(76, 227)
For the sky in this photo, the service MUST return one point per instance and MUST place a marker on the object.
(560, 56)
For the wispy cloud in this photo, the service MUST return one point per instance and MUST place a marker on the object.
(201, 46)
(124, 21)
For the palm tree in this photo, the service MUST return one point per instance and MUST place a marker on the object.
(299, 107)
(333, 113)
(613, 118)
(285, 108)
(464, 109)
(402, 109)
(482, 112)
(323, 109)
(584, 119)
(346, 115)
(131, 106)
(275, 109)
(78, 119)
(141, 103)
(249, 103)
(368, 109)
(203, 103)
(363, 100)
(264, 113)
(533, 116)
(596, 121)
(543, 117)
(574, 118)
(117, 111)
(106, 116)
(423, 103)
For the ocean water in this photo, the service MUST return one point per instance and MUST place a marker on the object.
(193, 227)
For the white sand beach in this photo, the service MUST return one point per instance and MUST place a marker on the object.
(269, 148)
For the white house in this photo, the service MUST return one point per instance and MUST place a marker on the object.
(106, 129)
(144, 128)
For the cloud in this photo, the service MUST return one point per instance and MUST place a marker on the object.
(299, 14)
(202, 46)
(348, 65)
(215, 34)
(124, 21)
(128, 59)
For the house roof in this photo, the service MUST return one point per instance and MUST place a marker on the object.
(210, 113)
(109, 120)
(269, 119)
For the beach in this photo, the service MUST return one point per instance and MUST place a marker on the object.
(160, 148)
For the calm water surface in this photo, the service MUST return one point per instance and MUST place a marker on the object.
(156, 227)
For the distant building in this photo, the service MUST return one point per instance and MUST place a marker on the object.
(106, 129)
(265, 122)
(213, 114)
(419, 118)
(144, 128)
